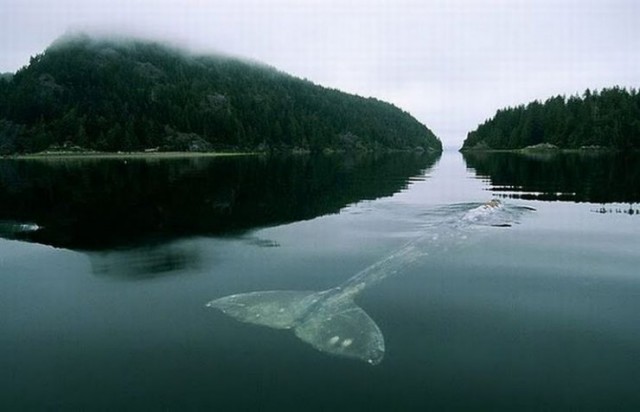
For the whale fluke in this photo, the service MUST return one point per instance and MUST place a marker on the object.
(329, 321)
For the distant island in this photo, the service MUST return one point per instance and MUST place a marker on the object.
(98, 94)
(605, 120)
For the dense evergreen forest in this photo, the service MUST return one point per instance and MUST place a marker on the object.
(607, 119)
(129, 95)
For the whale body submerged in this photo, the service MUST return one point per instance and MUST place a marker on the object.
(330, 320)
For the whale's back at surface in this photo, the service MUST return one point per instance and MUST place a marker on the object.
(494, 213)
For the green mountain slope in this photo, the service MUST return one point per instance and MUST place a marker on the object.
(608, 119)
(133, 95)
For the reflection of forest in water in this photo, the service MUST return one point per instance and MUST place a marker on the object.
(101, 204)
(596, 178)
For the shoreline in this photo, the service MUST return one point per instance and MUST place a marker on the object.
(123, 155)
(547, 151)
(177, 154)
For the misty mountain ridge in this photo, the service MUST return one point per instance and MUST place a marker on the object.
(124, 94)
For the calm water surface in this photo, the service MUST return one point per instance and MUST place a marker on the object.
(103, 306)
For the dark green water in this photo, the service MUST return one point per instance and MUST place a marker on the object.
(102, 308)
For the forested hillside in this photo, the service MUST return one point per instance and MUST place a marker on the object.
(607, 119)
(109, 95)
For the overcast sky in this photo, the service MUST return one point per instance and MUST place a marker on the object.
(450, 63)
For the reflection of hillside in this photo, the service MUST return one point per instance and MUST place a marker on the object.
(145, 262)
(602, 178)
(100, 204)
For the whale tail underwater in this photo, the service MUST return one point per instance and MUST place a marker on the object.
(330, 320)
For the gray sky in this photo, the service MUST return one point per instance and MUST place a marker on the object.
(450, 63)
